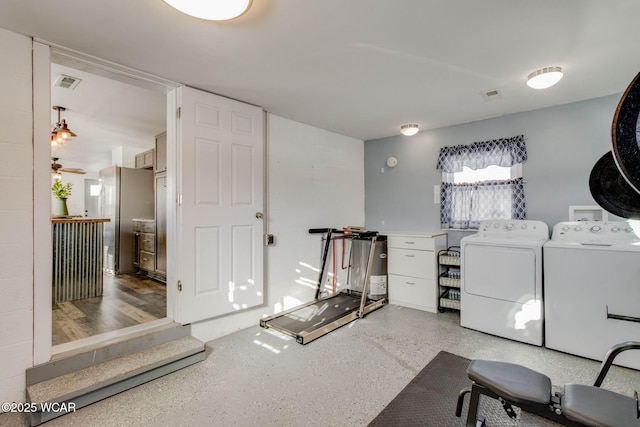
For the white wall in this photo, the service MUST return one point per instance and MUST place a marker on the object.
(16, 216)
(563, 144)
(315, 180)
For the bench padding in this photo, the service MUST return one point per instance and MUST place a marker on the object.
(594, 406)
(513, 382)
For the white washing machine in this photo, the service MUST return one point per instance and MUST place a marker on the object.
(501, 279)
(592, 289)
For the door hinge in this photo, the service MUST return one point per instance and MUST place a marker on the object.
(179, 112)
(179, 286)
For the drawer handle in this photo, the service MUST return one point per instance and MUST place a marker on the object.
(410, 256)
(410, 243)
(410, 283)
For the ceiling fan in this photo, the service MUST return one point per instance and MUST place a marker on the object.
(56, 168)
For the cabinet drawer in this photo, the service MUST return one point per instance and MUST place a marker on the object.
(147, 261)
(412, 292)
(148, 226)
(147, 242)
(411, 263)
(411, 242)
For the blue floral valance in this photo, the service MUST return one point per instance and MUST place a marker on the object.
(504, 152)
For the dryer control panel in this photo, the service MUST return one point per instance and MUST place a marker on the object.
(597, 232)
(507, 228)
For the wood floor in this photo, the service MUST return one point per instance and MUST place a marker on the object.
(128, 300)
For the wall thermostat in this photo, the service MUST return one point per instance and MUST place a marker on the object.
(392, 162)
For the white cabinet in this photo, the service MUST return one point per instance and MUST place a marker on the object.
(160, 164)
(145, 160)
(413, 269)
(161, 227)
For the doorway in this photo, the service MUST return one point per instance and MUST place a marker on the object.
(117, 119)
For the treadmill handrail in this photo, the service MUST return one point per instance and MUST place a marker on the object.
(325, 230)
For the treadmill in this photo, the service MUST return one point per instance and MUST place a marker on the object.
(312, 320)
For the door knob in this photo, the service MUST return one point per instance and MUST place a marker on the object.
(259, 215)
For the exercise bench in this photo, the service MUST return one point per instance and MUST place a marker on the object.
(531, 391)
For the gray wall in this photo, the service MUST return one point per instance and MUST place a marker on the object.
(563, 144)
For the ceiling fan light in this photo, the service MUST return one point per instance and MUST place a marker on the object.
(65, 131)
(212, 10)
(544, 77)
(409, 129)
(60, 134)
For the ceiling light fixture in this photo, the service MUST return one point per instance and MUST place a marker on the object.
(544, 77)
(409, 129)
(212, 10)
(60, 134)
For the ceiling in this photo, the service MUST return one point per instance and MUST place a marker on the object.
(109, 117)
(359, 67)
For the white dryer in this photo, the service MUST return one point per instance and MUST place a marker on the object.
(501, 279)
(592, 289)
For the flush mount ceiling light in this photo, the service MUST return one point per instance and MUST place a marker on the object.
(211, 10)
(60, 134)
(409, 129)
(544, 77)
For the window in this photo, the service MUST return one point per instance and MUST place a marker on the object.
(482, 181)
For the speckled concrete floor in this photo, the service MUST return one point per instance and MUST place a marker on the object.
(346, 378)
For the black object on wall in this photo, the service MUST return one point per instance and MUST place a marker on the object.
(625, 134)
(612, 191)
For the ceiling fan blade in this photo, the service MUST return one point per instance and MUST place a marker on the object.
(72, 170)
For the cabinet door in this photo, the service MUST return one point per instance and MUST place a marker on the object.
(161, 153)
(161, 223)
(148, 159)
(140, 161)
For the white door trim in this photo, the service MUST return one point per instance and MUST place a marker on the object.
(43, 52)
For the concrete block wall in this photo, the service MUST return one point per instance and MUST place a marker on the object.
(16, 215)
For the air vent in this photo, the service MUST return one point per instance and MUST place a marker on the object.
(492, 94)
(67, 82)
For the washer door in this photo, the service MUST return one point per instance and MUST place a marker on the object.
(499, 272)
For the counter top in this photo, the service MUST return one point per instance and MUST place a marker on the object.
(60, 220)
(414, 233)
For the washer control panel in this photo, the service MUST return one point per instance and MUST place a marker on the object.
(596, 232)
(514, 227)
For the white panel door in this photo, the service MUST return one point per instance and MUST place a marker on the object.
(220, 183)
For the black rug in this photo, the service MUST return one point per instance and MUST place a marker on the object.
(430, 399)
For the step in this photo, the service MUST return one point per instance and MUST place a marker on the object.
(93, 383)
(103, 350)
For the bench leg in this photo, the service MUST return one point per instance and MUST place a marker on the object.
(472, 414)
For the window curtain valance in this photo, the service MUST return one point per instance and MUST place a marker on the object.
(504, 152)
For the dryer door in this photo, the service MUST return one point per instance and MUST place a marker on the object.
(499, 272)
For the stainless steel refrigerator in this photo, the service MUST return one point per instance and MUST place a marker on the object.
(126, 194)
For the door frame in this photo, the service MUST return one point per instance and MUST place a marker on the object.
(43, 53)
